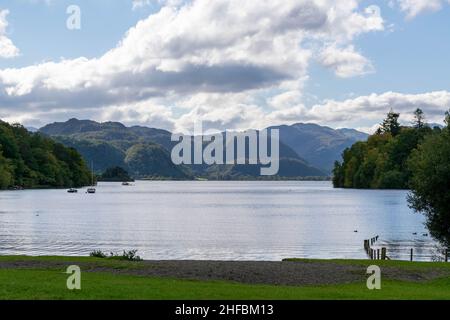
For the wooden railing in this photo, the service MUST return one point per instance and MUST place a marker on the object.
(381, 254)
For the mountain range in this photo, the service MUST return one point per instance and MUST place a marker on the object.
(306, 150)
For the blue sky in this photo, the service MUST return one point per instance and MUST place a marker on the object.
(353, 60)
(39, 29)
(410, 58)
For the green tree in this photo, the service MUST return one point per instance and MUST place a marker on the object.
(116, 174)
(391, 124)
(382, 161)
(32, 160)
(419, 119)
(430, 183)
(338, 174)
(6, 172)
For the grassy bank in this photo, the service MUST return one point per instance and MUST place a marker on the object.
(44, 278)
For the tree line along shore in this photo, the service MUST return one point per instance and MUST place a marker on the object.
(399, 157)
(31, 160)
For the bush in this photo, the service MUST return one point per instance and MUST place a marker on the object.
(97, 254)
(126, 255)
(129, 256)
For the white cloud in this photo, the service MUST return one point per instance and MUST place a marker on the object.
(364, 113)
(204, 58)
(7, 47)
(413, 8)
(140, 3)
(345, 62)
(373, 108)
(137, 4)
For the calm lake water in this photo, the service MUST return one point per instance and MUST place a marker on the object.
(211, 220)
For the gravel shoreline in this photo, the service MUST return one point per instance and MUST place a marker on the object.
(298, 273)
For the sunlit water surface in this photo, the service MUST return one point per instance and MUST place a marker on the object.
(212, 220)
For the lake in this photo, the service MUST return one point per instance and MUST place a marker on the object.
(212, 220)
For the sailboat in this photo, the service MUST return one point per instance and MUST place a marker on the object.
(92, 189)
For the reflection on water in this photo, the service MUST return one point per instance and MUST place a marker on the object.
(212, 220)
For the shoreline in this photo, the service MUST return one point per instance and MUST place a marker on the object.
(289, 272)
(25, 277)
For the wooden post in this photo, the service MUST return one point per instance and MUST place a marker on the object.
(383, 253)
(446, 255)
(412, 254)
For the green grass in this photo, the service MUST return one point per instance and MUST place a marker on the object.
(51, 284)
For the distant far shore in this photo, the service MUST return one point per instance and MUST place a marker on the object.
(312, 179)
(262, 178)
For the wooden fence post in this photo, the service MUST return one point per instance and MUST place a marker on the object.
(446, 255)
(412, 254)
(383, 253)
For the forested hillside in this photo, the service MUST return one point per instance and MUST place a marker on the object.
(30, 160)
(145, 152)
(383, 161)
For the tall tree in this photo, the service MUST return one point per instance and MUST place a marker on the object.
(391, 124)
(419, 119)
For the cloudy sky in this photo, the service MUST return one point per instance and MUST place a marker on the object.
(235, 64)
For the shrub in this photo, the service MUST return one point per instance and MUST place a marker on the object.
(126, 255)
(97, 254)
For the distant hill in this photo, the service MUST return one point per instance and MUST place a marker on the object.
(111, 144)
(353, 134)
(320, 146)
(306, 150)
(433, 125)
(32, 129)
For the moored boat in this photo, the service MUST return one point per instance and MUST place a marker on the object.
(92, 189)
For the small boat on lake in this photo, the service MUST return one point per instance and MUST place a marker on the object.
(126, 183)
(92, 190)
(72, 190)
